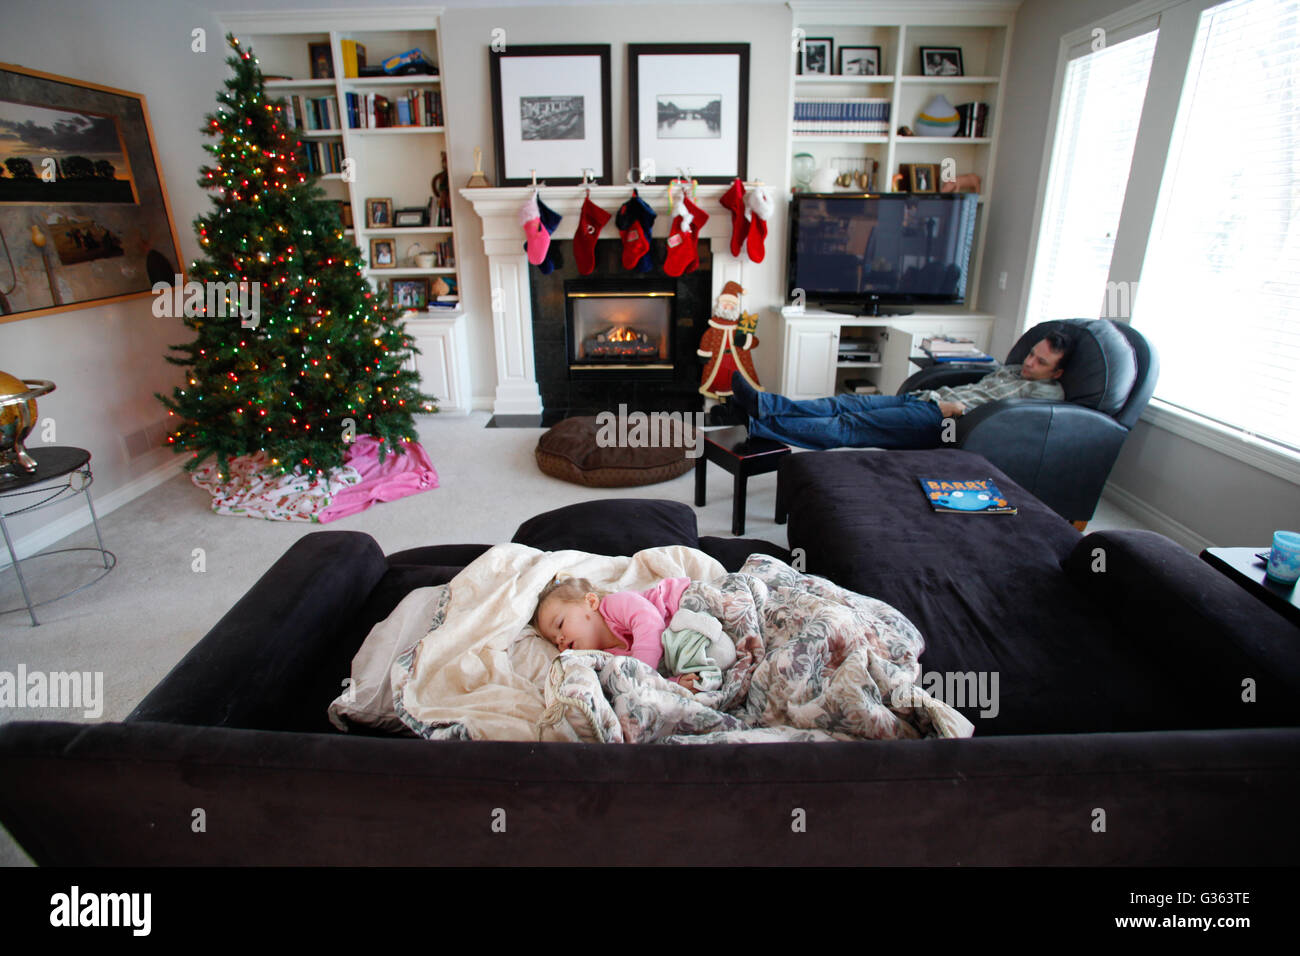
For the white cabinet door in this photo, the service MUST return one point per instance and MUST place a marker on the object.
(443, 362)
(811, 352)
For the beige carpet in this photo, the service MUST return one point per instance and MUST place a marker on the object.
(141, 619)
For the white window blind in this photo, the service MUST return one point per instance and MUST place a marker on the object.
(1101, 103)
(1220, 287)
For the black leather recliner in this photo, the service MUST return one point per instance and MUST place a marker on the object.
(1062, 452)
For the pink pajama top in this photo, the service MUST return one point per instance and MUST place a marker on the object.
(638, 618)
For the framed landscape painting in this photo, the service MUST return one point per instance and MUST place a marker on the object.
(84, 217)
(551, 114)
(689, 110)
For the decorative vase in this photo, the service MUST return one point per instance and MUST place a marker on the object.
(17, 417)
(939, 118)
(804, 165)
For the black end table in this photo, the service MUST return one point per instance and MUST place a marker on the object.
(735, 451)
(22, 493)
(1244, 567)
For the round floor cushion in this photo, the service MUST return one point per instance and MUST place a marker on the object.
(598, 456)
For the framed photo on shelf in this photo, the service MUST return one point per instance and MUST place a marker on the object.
(322, 61)
(382, 254)
(345, 213)
(815, 56)
(860, 61)
(689, 110)
(923, 177)
(84, 216)
(414, 216)
(551, 114)
(941, 61)
(379, 213)
(411, 293)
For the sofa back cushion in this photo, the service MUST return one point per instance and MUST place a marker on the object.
(1102, 369)
(618, 526)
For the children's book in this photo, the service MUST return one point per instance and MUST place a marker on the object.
(966, 496)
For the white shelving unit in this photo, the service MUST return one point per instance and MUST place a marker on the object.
(397, 163)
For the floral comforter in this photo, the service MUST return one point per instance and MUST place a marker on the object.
(815, 662)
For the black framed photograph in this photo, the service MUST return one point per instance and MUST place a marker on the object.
(322, 61)
(689, 111)
(815, 56)
(941, 61)
(551, 114)
(379, 213)
(860, 61)
(410, 293)
(413, 216)
(382, 254)
(84, 217)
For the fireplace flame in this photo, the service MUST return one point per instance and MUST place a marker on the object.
(621, 333)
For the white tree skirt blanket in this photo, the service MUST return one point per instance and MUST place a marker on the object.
(815, 662)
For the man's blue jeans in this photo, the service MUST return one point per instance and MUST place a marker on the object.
(853, 421)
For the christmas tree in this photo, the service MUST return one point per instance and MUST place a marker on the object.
(320, 360)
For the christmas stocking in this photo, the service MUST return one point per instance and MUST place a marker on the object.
(591, 220)
(635, 243)
(683, 248)
(646, 216)
(760, 204)
(734, 199)
(538, 239)
(698, 218)
(550, 221)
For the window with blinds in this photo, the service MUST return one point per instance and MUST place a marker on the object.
(1220, 287)
(1101, 103)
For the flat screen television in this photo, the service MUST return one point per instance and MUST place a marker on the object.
(855, 252)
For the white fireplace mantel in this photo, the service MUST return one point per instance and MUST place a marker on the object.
(503, 241)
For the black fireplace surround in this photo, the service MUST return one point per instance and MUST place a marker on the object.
(566, 393)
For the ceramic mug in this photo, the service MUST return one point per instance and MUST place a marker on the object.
(1284, 559)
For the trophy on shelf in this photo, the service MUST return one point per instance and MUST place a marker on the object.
(17, 418)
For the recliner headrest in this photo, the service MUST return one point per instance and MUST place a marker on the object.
(1102, 369)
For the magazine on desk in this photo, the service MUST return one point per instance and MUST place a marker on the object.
(966, 496)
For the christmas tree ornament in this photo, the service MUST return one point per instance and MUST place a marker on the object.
(591, 221)
(727, 345)
(734, 200)
(537, 239)
(758, 202)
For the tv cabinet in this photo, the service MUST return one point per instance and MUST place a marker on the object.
(810, 342)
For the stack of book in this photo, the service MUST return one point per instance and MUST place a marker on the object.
(415, 108)
(945, 348)
(323, 158)
(302, 112)
(972, 119)
(841, 116)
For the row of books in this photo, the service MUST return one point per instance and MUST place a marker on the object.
(305, 112)
(323, 158)
(416, 108)
(840, 116)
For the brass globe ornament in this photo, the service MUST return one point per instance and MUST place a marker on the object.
(17, 418)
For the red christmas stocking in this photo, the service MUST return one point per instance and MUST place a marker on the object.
(698, 218)
(734, 199)
(635, 243)
(760, 204)
(591, 220)
(683, 241)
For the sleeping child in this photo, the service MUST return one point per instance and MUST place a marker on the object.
(647, 625)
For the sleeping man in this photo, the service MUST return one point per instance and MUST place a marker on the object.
(914, 420)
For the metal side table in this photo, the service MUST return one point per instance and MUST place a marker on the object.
(52, 463)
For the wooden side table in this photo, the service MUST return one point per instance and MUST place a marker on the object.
(1244, 567)
(735, 451)
(16, 494)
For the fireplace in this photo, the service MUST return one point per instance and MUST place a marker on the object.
(614, 328)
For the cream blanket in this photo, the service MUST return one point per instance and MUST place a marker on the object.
(816, 662)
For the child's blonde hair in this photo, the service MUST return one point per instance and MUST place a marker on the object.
(566, 588)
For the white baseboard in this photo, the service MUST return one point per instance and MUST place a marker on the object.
(1156, 519)
(79, 517)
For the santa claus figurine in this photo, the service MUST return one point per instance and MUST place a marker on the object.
(727, 346)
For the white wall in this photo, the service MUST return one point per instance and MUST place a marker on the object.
(107, 361)
(1197, 495)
